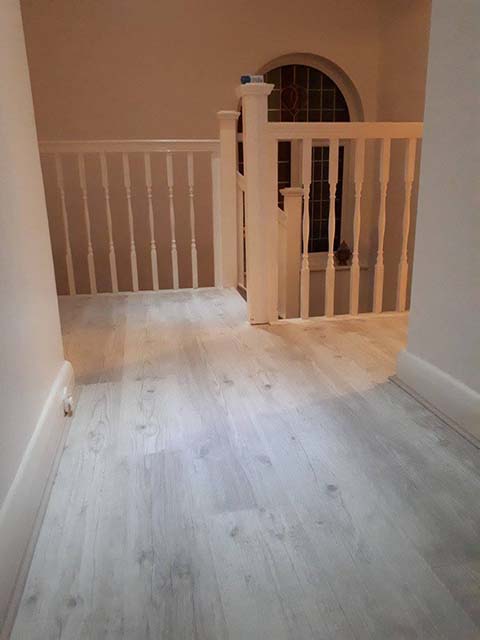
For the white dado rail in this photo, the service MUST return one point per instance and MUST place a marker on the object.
(222, 157)
(278, 277)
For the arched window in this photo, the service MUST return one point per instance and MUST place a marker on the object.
(305, 94)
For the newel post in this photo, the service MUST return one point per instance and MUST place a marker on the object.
(292, 198)
(261, 229)
(225, 218)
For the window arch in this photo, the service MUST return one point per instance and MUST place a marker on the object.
(304, 94)
(328, 68)
(310, 88)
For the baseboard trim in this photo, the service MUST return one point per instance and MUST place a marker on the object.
(22, 512)
(456, 403)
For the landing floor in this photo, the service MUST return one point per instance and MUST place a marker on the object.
(224, 481)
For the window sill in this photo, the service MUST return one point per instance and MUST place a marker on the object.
(318, 262)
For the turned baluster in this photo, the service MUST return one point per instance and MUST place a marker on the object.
(305, 266)
(153, 244)
(382, 216)
(193, 246)
(330, 270)
(240, 238)
(128, 191)
(108, 211)
(172, 220)
(86, 212)
(355, 268)
(403, 265)
(68, 250)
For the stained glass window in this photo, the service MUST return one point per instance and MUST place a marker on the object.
(320, 200)
(305, 94)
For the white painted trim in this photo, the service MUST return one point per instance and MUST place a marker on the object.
(368, 315)
(254, 89)
(332, 70)
(24, 506)
(344, 130)
(140, 293)
(217, 220)
(459, 403)
(128, 146)
(228, 195)
(260, 205)
(450, 423)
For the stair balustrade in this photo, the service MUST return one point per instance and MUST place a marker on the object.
(160, 201)
(280, 280)
(162, 217)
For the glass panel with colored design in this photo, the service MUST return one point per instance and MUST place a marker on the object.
(305, 94)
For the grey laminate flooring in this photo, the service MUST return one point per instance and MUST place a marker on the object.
(227, 481)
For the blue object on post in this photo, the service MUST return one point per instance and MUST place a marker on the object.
(250, 79)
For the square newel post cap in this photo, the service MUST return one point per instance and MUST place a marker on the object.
(292, 192)
(228, 115)
(254, 89)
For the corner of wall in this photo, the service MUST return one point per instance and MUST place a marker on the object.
(24, 506)
(459, 403)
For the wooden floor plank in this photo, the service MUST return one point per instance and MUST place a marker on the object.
(227, 481)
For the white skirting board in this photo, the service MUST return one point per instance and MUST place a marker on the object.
(449, 396)
(23, 509)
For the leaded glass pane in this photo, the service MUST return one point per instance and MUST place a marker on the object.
(305, 94)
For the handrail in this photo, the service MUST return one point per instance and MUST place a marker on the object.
(347, 130)
(241, 182)
(128, 146)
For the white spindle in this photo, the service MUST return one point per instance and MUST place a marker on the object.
(330, 271)
(355, 268)
(244, 240)
(128, 190)
(153, 244)
(192, 220)
(282, 263)
(172, 220)
(217, 219)
(382, 216)
(403, 266)
(292, 204)
(240, 238)
(108, 211)
(305, 268)
(68, 250)
(227, 121)
(86, 212)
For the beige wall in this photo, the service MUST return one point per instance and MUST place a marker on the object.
(126, 69)
(403, 64)
(31, 346)
(149, 69)
(402, 74)
(448, 231)
(31, 352)
(130, 69)
(444, 335)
